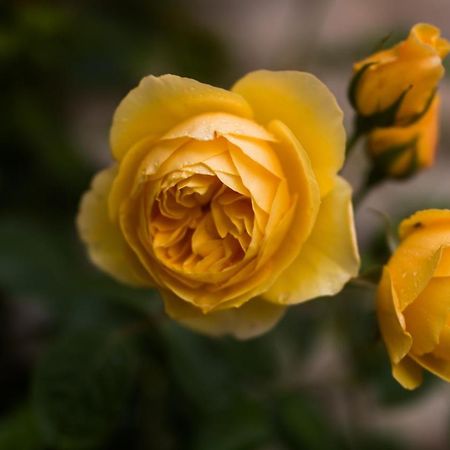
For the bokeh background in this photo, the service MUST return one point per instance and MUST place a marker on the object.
(88, 364)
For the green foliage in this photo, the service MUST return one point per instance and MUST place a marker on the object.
(81, 387)
(19, 432)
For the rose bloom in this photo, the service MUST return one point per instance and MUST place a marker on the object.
(407, 148)
(413, 66)
(227, 202)
(413, 302)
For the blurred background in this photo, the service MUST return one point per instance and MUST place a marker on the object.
(88, 364)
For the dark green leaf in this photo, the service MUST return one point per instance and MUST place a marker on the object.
(353, 87)
(198, 369)
(81, 386)
(19, 432)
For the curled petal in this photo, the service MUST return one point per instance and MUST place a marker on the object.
(207, 127)
(328, 259)
(414, 264)
(408, 373)
(106, 246)
(392, 323)
(308, 108)
(159, 103)
(249, 320)
(424, 219)
(442, 350)
(436, 365)
(426, 317)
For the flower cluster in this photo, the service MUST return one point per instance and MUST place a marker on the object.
(394, 93)
(230, 203)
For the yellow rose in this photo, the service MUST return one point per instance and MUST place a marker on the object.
(401, 151)
(413, 68)
(228, 202)
(413, 301)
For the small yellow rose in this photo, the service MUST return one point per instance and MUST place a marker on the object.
(413, 301)
(401, 151)
(412, 68)
(228, 202)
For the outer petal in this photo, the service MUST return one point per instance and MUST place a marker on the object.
(438, 366)
(422, 219)
(160, 103)
(392, 323)
(415, 262)
(408, 373)
(106, 245)
(308, 108)
(329, 257)
(249, 320)
(426, 317)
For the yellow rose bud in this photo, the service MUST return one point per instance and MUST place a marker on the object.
(412, 68)
(400, 151)
(228, 202)
(413, 301)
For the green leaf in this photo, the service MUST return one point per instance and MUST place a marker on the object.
(380, 119)
(198, 369)
(19, 432)
(384, 161)
(425, 109)
(354, 82)
(81, 387)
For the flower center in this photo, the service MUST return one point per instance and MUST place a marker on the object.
(197, 224)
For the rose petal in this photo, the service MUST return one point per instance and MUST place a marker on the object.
(207, 127)
(408, 373)
(106, 246)
(438, 366)
(160, 103)
(308, 108)
(250, 320)
(414, 263)
(426, 316)
(392, 323)
(328, 259)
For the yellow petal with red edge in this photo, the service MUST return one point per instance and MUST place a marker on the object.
(160, 103)
(408, 373)
(308, 108)
(328, 259)
(106, 245)
(392, 323)
(426, 316)
(249, 320)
